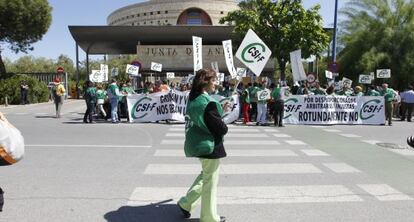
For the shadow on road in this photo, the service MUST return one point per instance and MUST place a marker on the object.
(149, 213)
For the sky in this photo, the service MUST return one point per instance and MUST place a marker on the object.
(58, 39)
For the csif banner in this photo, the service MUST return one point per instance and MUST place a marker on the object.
(172, 105)
(198, 53)
(329, 110)
(228, 55)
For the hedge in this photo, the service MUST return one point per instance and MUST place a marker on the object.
(10, 87)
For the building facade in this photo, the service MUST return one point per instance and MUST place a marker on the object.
(172, 12)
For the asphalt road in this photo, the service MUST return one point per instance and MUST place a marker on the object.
(136, 172)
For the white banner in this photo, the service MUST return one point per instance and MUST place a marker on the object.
(298, 72)
(365, 79)
(170, 75)
(114, 71)
(214, 66)
(325, 110)
(253, 53)
(172, 105)
(105, 70)
(263, 95)
(383, 73)
(328, 74)
(132, 70)
(346, 83)
(156, 66)
(197, 53)
(228, 55)
(97, 76)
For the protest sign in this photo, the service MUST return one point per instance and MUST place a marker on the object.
(105, 71)
(383, 73)
(346, 83)
(132, 70)
(170, 75)
(364, 79)
(298, 72)
(328, 74)
(114, 71)
(228, 55)
(325, 110)
(214, 66)
(197, 53)
(253, 52)
(156, 66)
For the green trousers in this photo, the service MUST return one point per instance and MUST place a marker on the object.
(388, 112)
(204, 186)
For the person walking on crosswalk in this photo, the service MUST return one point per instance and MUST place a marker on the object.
(204, 132)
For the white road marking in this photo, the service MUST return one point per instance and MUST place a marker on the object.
(295, 142)
(405, 152)
(314, 152)
(281, 135)
(21, 113)
(88, 145)
(271, 130)
(188, 169)
(42, 114)
(227, 142)
(350, 135)
(231, 152)
(251, 195)
(231, 130)
(341, 168)
(384, 192)
(229, 135)
(332, 130)
(372, 142)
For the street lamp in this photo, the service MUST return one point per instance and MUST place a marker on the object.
(334, 32)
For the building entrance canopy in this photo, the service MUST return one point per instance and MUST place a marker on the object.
(115, 40)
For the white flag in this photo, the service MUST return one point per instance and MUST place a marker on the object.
(298, 72)
(228, 54)
(197, 53)
(156, 66)
(253, 53)
(132, 70)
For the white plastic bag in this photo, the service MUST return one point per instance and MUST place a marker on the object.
(11, 140)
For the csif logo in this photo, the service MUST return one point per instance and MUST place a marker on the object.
(255, 51)
(228, 100)
(369, 109)
(142, 106)
(291, 106)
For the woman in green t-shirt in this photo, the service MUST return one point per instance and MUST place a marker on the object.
(204, 132)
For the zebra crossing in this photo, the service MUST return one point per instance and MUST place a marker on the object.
(268, 165)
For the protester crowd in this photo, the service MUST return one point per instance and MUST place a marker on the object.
(110, 102)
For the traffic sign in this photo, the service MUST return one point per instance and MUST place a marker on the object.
(60, 69)
(333, 67)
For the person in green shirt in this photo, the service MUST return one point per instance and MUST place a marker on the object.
(389, 95)
(204, 132)
(90, 99)
(101, 97)
(253, 100)
(372, 92)
(318, 90)
(245, 98)
(358, 91)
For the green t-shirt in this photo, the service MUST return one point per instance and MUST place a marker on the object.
(388, 94)
(198, 139)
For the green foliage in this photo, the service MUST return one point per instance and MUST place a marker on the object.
(377, 34)
(284, 26)
(22, 23)
(38, 91)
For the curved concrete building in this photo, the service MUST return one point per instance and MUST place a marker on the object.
(172, 12)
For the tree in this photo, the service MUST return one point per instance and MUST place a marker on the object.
(284, 26)
(22, 23)
(378, 34)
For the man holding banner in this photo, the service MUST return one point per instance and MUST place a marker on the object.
(204, 132)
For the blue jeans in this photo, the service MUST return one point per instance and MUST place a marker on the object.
(114, 110)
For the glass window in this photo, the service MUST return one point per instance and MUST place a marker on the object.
(145, 13)
(158, 12)
(194, 21)
(151, 13)
(166, 12)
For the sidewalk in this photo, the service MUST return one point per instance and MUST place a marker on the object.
(3, 107)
